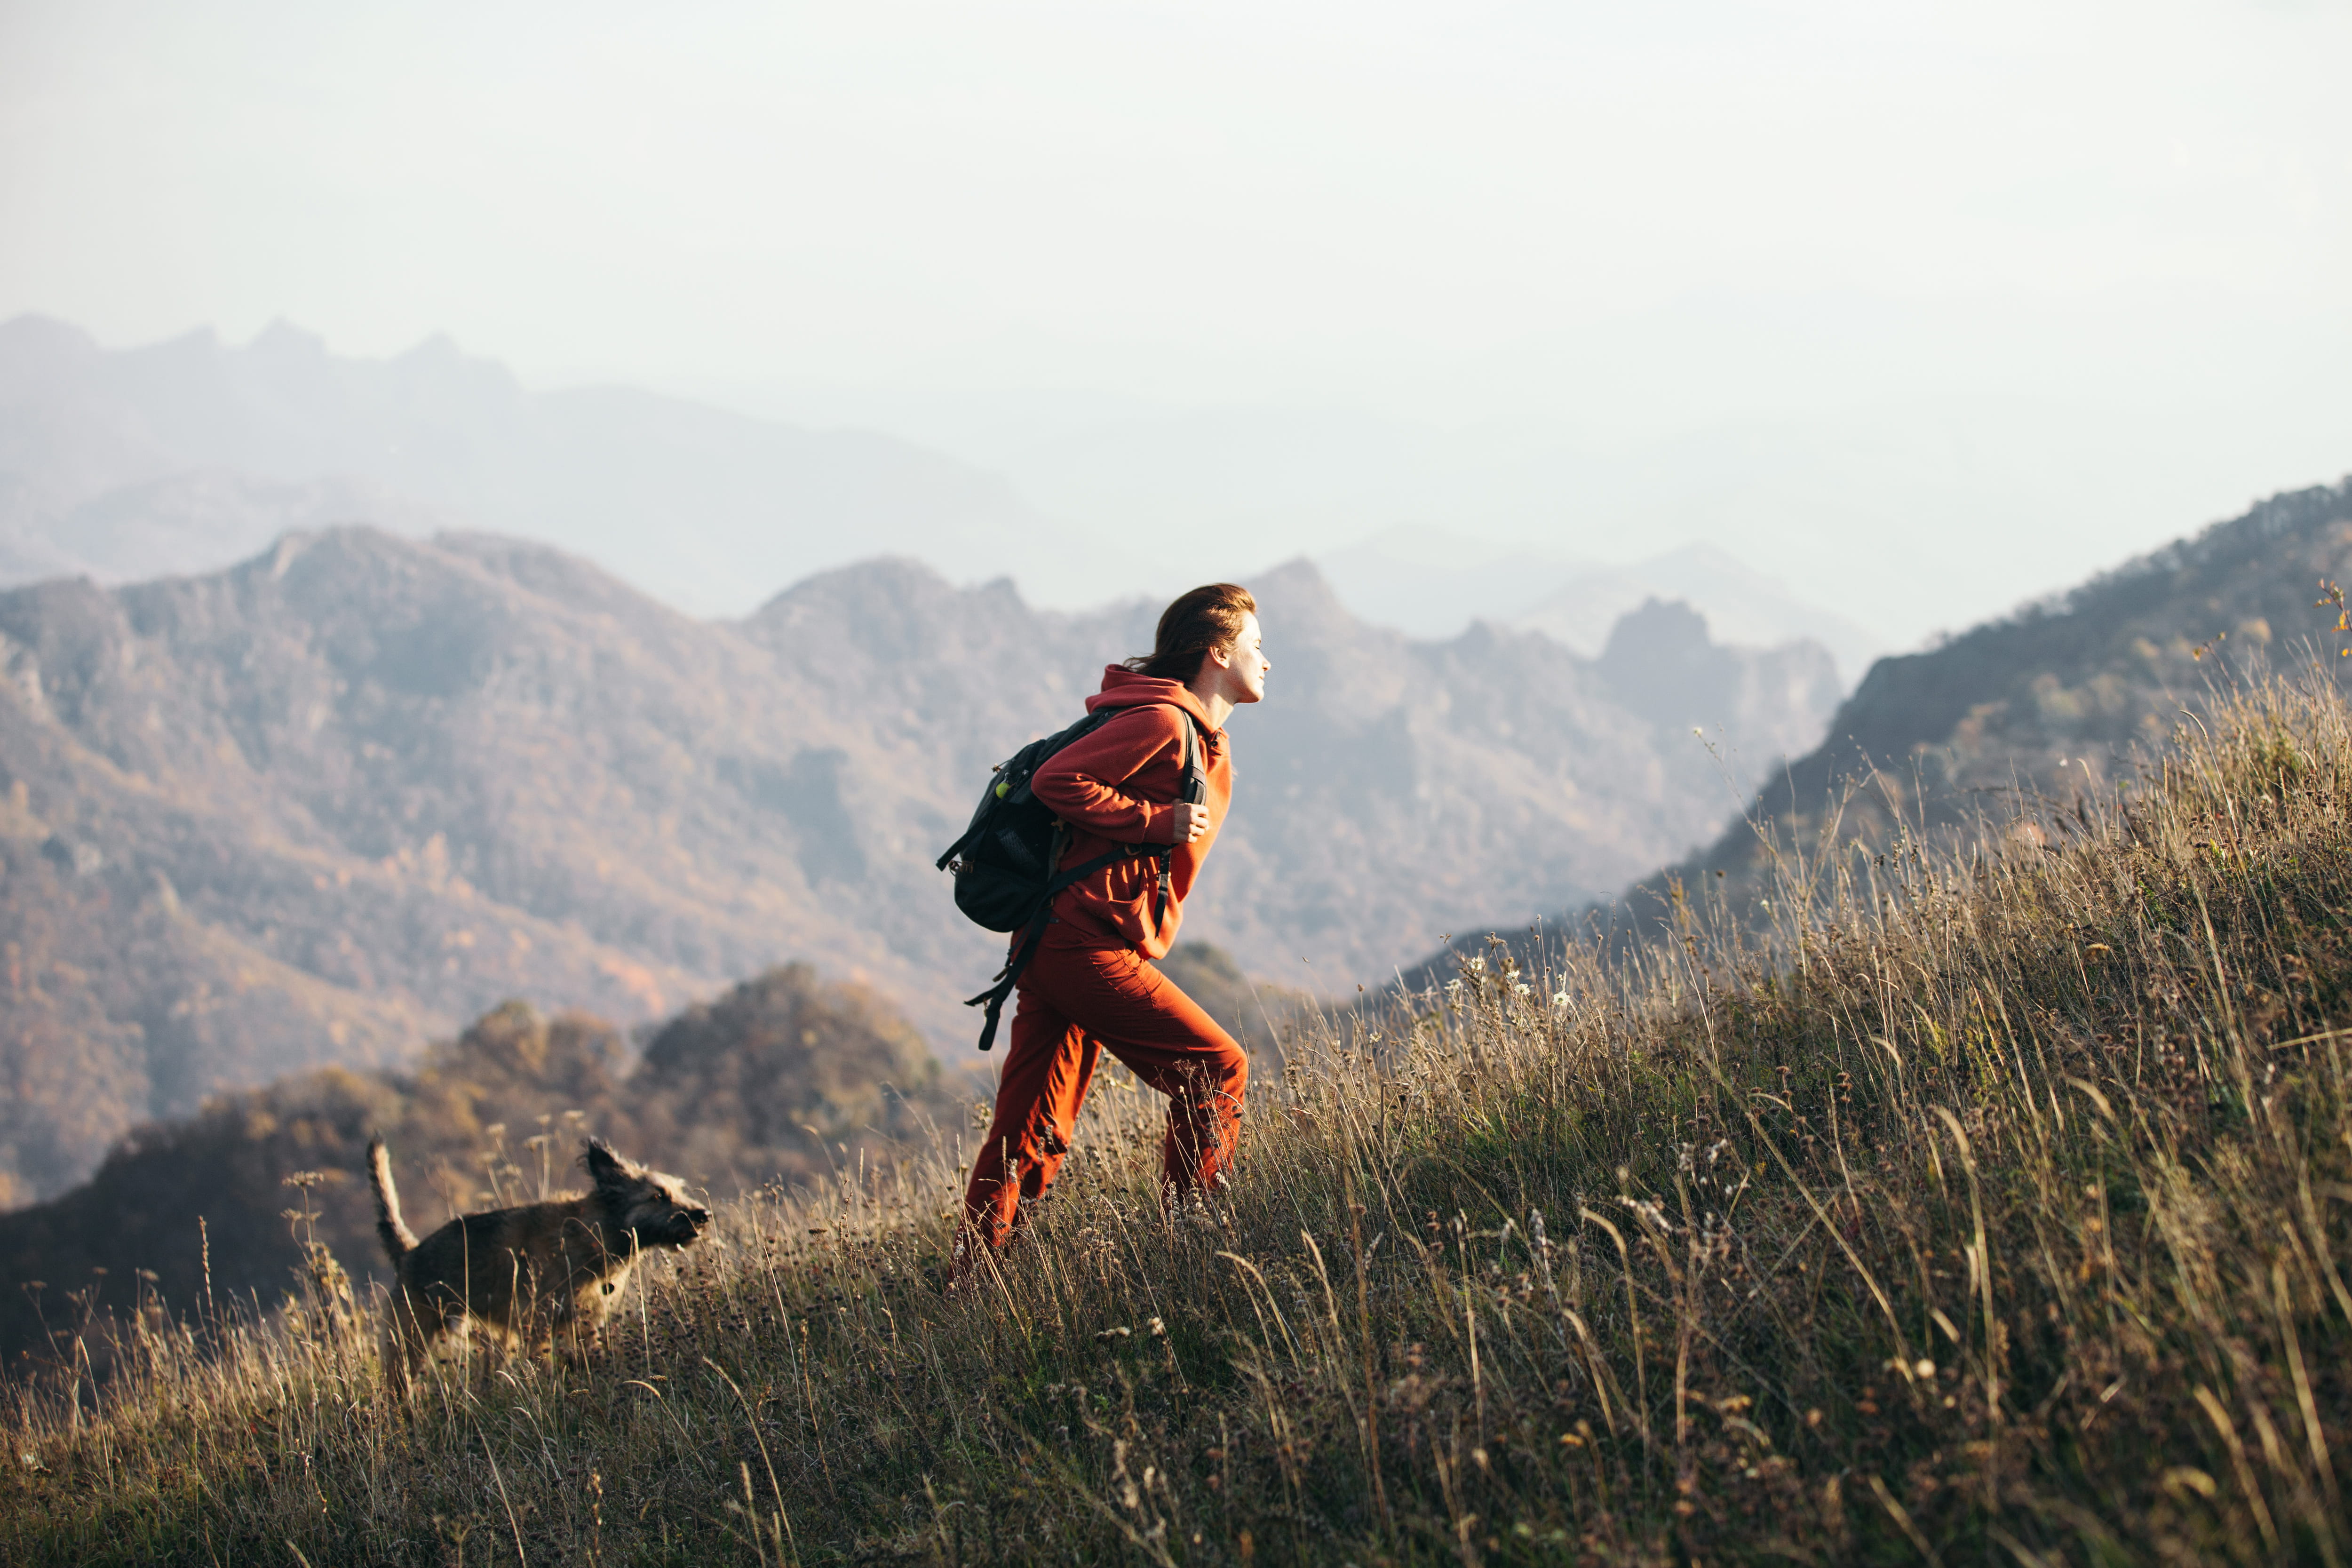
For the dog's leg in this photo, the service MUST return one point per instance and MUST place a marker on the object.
(407, 1341)
(485, 1347)
(571, 1326)
(398, 1372)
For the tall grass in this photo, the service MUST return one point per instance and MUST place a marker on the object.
(1984, 1205)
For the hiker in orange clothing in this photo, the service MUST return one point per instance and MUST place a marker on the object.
(1091, 986)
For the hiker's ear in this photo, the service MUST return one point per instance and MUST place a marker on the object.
(608, 1169)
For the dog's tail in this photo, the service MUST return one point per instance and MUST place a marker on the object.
(398, 1240)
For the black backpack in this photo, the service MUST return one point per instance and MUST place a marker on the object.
(1003, 864)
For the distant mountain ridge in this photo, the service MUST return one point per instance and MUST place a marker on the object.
(1429, 583)
(324, 805)
(189, 455)
(1743, 607)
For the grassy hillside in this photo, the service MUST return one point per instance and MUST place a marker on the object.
(2020, 717)
(1991, 1211)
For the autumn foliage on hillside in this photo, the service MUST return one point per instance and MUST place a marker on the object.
(780, 1079)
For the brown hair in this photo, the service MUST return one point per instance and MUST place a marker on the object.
(1203, 619)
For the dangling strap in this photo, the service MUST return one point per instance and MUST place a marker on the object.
(1026, 948)
(1007, 978)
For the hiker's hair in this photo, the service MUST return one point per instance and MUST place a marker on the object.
(1203, 619)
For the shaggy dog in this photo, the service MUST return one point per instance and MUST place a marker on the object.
(525, 1274)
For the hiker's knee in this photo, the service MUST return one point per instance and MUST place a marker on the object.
(1229, 1068)
(1214, 1079)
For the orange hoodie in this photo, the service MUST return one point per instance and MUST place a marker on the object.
(1118, 785)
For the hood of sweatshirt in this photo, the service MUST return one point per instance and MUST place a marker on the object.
(1123, 688)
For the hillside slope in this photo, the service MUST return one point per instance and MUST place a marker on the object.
(2008, 726)
(331, 801)
(2006, 1228)
(2045, 705)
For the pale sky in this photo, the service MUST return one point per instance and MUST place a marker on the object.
(1989, 294)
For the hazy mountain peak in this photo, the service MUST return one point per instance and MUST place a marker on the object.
(1743, 607)
(709, 511)
(31, 335)
(1297, 598)
(437, 348)
(1432, 583)
(282, 340)
(1657, 628)
(1704, 555)
(1301, 586)
(197, 345)
(899, 577)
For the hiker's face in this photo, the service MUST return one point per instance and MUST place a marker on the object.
(1244, 665)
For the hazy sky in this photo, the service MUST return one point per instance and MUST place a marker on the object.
(1993, 292)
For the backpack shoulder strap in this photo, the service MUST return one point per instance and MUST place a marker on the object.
(1194, 789)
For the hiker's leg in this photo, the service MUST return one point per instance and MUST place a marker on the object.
(1145, 1020)
(1038, 1092)
(1204, 1090)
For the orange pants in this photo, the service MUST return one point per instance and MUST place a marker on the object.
(1074, 1004)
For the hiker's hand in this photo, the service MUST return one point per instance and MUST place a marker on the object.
(1192, 821)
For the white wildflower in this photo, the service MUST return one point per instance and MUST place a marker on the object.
(1523, 989)
(1559, 1001)
(1474, 965)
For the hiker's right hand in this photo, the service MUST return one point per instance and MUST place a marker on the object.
(1192, 822)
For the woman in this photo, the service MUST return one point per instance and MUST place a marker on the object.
(1092, 986)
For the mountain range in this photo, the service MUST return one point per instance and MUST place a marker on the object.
(1431, 583)
(187, 455)
(331, 802)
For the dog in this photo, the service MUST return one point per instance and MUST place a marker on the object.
(524, 1275)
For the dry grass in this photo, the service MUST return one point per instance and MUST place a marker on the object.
(1986, 1208)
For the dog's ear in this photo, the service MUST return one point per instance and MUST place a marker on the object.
(608, 1169)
